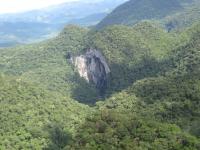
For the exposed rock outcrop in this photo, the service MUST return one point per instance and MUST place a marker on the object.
(93, 68)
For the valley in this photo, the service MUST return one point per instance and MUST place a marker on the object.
(116, 85)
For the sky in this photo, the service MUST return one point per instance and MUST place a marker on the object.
(13, 6)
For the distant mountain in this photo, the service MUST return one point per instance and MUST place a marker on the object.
(89, 20)
(24, 32)
(40, 24)
(134, 11)
(63, 13)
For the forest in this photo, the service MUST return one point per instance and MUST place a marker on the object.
(152, 99)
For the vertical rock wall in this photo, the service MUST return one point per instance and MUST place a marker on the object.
(93, 68)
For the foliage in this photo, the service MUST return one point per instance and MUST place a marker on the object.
(172, 14)
(154, 113)
(123, 130)
(138, 10)
(152, 100)
(30, 115)
(134, 52)
(184, 18)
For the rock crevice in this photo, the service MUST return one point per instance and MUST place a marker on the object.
(92, 66)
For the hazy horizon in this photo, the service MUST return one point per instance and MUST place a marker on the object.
(18, 6)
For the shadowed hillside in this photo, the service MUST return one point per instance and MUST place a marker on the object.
(51, 92)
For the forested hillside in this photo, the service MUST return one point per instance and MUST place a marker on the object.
(157, 112)
(151, 100)
(152, 94)
(34, 118)
(184, 18)
(178, 13)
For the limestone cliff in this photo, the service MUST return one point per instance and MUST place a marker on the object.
(93, 68)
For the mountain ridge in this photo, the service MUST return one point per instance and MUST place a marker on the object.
(49, 21)
(151, 100)
(136, 11)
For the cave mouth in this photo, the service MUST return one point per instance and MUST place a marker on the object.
(97, 73)
(91, 76)
(92, 67)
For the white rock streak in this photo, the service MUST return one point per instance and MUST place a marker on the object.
(81, 65)
(92, 67)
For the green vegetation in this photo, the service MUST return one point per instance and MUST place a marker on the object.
(124, 129)
(30, 115)
(134, 52)
(172, 14)
(151, 103)
(138, 10)
(160, 112)
(184, 18)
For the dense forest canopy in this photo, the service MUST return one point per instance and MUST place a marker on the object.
(152, 99)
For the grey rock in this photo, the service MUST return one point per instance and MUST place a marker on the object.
(92, 66)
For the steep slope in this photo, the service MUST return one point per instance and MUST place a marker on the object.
(152, 99)
(133, 52)
(135, 11)
(125, 49)
(183, 19)
(46, 64)
(154, 113)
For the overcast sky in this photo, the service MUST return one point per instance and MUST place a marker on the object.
(12, 6)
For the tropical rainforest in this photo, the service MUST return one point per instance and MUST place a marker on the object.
(152, 97)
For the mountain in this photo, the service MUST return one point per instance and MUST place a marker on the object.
(149, 113)
(63, 13)
(184, 18)
(151, 100)
(134, 11)
(41, 24)
(25, 32)
(89, 20)
(121, 87)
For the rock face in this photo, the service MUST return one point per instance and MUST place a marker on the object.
(93, 68)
